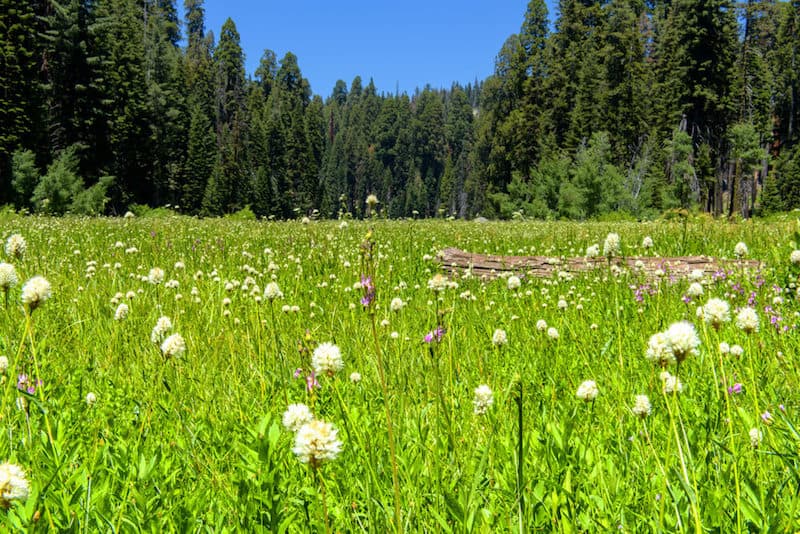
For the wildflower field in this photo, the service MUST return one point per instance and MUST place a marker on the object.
(174, 374)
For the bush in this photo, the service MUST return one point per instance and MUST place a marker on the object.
(244, 214)
(57, 189)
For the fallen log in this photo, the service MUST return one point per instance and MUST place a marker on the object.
(453, 260)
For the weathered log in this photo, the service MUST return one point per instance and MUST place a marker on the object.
(454, 259)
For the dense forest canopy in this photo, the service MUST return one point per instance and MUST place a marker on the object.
(623, 106)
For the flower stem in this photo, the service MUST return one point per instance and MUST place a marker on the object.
(390, 431)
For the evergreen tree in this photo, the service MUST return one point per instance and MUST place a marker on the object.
(200, 160)
(19, 89)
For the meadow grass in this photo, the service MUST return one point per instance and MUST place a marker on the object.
(195, 442)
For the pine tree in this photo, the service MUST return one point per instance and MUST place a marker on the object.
(19, 91)
(200, 160)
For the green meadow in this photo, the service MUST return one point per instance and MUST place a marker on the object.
(116, 430)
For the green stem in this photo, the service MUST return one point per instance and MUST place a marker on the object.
(392, 454)
(520, 460)
(318, 476)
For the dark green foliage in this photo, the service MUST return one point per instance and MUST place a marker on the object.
(25, 176)
(624, 106)
(19, 91)
(92, 201)
(61, 184)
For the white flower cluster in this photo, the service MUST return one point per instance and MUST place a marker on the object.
(695, 290)
(740, 250)
(155, 276)
(272, 291)
(121, 313)
(675, 344)
(670, 383)
(8, 276)
(173, 347)
(499, 338)
(438, 283)
(755, 437)
(641, 407)
(159, 332)
(587, 391)
(484, 398)
(327, 359)
(316, 442)
(611, 246)
(35, 292)
(16, 246)
(715, 312)
(13, 484)
(747, 320)
(297, 415)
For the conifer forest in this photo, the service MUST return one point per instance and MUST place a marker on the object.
(618, 106)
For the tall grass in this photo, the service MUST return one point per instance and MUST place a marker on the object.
(196, 443)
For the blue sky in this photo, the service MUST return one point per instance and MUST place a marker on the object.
(401, 44)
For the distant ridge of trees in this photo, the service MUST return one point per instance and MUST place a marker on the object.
(625, 106)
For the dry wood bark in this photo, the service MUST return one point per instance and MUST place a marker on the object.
(454, 259)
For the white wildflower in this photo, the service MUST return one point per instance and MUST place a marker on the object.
(659, 351)
(715, 312)
(297, 415)
(499, 337)
(747, 320)
(35, 291)
(13, 484)
(16, 246)
(156, 275)
(327, 359)
(755, 437)
(695, 289)
(587, 391)
(438, 283)
(396, 305)
(683, 340)
(611, 246)
(671, 383)
(316, 442)
(642, 406)
(484, 398)
(163, 325)
(173, 347)
(8, 276)
(121, 313)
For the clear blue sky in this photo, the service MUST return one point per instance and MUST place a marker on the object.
(404, 44)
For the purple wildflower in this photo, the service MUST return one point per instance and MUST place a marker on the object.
(298, 372)
(435, 335)
(369, 290)
(735, 389)
(311, 382)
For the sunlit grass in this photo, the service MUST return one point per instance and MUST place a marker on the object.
(194, 441)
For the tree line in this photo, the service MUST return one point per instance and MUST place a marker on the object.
(634, 106)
